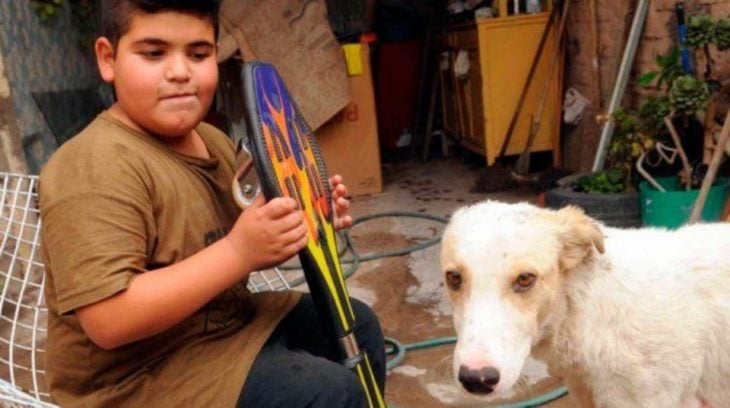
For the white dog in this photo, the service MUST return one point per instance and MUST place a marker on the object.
(629, 318)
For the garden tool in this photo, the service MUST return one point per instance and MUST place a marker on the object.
(499, 175)
(284, 153)
(522, 166)
(530, 76)
(682, 38)
(627, 61)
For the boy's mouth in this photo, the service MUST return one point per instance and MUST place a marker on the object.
(178, 96)
(179, 102)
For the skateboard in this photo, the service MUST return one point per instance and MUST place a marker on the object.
(285, 155)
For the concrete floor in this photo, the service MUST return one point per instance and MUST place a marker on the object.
(406, 291)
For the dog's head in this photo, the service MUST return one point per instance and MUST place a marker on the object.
(504, 266)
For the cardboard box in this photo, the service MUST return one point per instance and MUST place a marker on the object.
(295, 37)
(349, 141)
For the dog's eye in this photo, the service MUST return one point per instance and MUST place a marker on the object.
(453, 279)
(524, 282)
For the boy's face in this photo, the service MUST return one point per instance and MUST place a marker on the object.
(164, 72)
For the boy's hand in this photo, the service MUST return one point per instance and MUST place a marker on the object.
(267, 234)
(342, 218)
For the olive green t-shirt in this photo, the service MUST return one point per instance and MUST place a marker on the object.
(115, 203)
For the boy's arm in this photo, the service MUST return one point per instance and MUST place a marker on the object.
(265, 234)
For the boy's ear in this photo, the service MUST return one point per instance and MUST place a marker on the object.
(105, 58)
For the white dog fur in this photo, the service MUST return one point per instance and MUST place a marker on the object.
(629, 318)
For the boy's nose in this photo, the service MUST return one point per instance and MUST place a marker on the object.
(178, 69)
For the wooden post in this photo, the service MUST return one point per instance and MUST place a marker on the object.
(709, 179)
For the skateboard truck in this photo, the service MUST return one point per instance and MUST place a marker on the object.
(246, 185)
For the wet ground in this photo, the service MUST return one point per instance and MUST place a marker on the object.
(407, 292)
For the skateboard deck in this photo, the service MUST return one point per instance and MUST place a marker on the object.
(288, 161)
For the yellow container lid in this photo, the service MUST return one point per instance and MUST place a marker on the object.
(353, 58)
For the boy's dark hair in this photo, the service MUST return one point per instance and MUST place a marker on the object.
(116, 15)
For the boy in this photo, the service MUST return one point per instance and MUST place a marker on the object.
(147, 256)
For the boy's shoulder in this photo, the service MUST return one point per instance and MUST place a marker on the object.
(100, 148)
(106, 146)
(100, 135)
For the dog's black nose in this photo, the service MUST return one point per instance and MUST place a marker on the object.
(480, 381)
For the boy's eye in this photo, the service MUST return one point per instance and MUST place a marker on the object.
(152, 54)
(199, 55)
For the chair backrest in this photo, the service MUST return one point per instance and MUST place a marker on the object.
(23, 312)
(22, 308)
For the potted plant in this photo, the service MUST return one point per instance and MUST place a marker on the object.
(674, 200)
(618, 195)
(611, 195)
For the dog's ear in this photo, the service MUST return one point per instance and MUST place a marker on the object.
(579, 234)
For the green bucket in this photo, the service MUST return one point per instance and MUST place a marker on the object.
(673, 207)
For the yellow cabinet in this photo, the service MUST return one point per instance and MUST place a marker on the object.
(483, 68)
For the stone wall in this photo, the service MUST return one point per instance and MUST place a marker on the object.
(38, 57)
(613, 23)
(11, 157)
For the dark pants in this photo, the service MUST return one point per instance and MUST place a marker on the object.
(299, 367)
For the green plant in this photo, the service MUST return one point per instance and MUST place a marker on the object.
(688, 95)
(634, 133)
(603, 182)
(652, 113)
(82, 12)
(700, 30)
(669, 70)
(630, 140)
(47, 9)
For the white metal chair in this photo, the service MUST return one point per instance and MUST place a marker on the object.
(23, 311)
